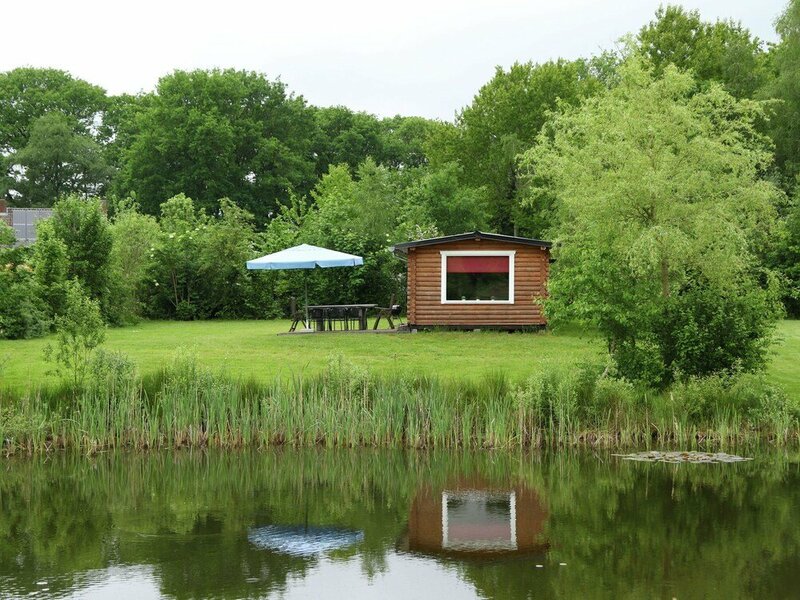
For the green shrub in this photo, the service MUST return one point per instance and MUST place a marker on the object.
(82, 226)
(23, 314)
(765, 406)
(18, 426)
(703, 331)
(186, 311)
(639, 360)
(50, 265)
(134, 236)
(111, 372)
(79, 331)
(612, 400)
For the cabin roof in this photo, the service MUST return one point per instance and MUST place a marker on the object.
(402, 248)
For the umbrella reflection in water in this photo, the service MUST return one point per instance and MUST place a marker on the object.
(299, 540)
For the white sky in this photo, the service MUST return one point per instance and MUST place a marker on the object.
(410, 57)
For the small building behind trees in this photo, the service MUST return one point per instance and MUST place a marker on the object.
(23, 221)
(475, 280)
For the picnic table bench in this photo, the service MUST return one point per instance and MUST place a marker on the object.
(326, 317)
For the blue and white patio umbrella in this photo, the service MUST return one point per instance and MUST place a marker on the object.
(305, 256)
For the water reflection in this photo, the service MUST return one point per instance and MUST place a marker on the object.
(393, 524)
(471, 518)
(302, 540)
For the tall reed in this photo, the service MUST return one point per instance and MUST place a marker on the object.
(187, 405)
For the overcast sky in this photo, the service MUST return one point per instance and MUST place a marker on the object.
(410, 57)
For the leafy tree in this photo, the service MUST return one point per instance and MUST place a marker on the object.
(134, 238)
(51, 266)
(85, 231)
(23, 314)
(348, 137)
(438, 197)
(723, 51)
(27, 94)
(79, 331)
(405, 139)
(174, 271)
(356, 214)
(56, 162)
(786, 259)
(228, 242)
(216, 134)
(504, 120)
(660, 211)
(119, 127)
(785, 123)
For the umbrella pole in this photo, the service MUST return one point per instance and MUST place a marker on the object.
(305, 281)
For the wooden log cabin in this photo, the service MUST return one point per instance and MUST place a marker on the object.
(476, 280)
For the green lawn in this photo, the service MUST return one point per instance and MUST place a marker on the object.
(784, 368)
(253, 348)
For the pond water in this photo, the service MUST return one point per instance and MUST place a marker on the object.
(380, 524)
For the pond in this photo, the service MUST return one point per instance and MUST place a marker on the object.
(389, 524)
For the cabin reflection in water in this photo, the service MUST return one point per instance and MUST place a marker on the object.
(474, 519)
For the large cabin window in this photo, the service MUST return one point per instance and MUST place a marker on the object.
(477, 277)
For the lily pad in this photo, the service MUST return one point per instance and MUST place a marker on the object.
(683, 457)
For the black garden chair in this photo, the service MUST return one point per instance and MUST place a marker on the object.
(337, 315)
(353, 318)
(388, 313)
(297, 316)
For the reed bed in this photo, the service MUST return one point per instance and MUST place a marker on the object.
(187, 405)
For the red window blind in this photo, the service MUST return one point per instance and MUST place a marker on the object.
(477, 264)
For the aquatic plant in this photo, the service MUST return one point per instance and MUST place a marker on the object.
(188, 405)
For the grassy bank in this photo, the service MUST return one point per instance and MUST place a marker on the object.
(186, 405)
(252, 350)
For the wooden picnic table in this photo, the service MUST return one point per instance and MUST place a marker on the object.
(325, 316)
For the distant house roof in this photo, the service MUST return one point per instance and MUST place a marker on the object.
(472, 235)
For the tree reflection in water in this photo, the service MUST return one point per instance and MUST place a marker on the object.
(623, 530)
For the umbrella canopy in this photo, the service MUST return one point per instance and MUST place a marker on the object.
(303, 541)
(305, 256)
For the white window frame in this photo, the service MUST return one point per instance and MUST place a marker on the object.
(509, 253)
(510, 544)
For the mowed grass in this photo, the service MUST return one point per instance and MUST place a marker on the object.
(784, 366)
(253, 348)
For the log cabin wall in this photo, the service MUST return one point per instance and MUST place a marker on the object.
(425, 307)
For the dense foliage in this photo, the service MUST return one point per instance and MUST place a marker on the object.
(47, 120)
(724, 51)
(23, 312)
(785, 88)
(502, 121)
(661, 212)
